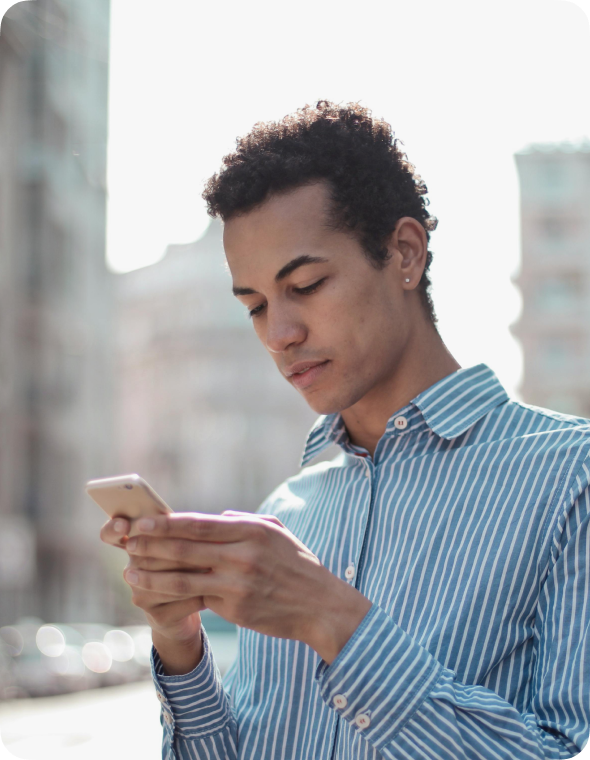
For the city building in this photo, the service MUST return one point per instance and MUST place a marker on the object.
(203, 413)
(554, 327)
(55, 310)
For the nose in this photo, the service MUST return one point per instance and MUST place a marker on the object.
(283, 329)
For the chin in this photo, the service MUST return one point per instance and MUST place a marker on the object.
(327, 402)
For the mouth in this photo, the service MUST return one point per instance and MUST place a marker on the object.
(303, 375)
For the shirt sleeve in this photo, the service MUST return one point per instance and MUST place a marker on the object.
(406, 704)
(196, 714)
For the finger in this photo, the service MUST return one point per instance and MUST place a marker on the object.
(187, 553)
(115, 531)
(176, 585)
(150, 600)
(155, 565)
(165, 615)
(269, 518)
(202, 527)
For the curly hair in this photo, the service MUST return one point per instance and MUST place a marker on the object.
(372, 183)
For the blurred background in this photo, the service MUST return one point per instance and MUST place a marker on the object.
(121, 346)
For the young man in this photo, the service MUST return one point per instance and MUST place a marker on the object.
(423, 595)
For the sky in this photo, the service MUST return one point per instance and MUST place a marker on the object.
(464, 84)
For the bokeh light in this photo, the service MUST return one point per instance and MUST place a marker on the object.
(69, 663)
(13, 640)
(50, 641)
(97, 657)
(120, 645)
(143, 647)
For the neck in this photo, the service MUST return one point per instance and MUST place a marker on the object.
(424, 361)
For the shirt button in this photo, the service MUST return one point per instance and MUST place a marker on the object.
(367, 472)
(340, 701)
(160, 696)
(400, 422)
(168, 718)
(349, 573)
(362, 720)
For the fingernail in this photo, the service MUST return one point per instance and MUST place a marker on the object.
(132, 577)
(146, 523)
(132, 544)
(119, 526)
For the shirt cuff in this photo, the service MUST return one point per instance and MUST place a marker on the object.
(380, 678)
(193, 704)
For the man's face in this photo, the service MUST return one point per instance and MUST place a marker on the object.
(334, 325)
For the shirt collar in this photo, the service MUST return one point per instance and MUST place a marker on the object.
(449, 407)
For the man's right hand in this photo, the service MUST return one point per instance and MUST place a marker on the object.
(176, 625)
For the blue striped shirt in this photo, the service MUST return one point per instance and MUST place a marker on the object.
(468, 530)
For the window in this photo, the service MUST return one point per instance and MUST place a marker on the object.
(558, 294)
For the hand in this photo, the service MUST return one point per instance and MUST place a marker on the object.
(176, 626)
(250, 570)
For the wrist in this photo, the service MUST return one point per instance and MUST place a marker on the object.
(178, 656)
(337, 621)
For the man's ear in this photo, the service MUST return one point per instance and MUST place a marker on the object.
(410, 248)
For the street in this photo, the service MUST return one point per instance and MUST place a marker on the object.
(118, 723)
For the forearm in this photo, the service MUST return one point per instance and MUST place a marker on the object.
(405, 703)
(178, 657)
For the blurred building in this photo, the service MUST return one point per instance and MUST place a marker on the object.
(55, 308)
(203, 413)
(554, 327)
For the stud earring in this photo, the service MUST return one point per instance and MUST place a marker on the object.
(407, 279)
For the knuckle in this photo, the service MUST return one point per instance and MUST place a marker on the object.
(249, 561)
(259, 532)
(179, 584)
(201, 529)
(180, 549)
(244, 592)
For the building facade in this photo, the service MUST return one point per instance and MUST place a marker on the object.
(55, 309)
(554, 327)
(203, 413)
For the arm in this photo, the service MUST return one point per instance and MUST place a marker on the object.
(195, 712)
(416, 708)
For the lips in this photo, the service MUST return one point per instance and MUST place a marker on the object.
(306, 374)
(301, 367)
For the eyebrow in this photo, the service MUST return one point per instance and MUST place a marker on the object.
(285, 271)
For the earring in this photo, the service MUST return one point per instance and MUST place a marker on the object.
(407, 279)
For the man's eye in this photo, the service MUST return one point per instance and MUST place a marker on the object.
(302, 291)
(310, 288)
(254, 312)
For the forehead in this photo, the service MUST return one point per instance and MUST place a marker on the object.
(286, 225)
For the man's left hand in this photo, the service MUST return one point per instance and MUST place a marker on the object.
(250, 570)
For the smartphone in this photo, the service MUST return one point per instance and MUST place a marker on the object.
(127, 496)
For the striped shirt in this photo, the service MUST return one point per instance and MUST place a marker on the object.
(468, 531)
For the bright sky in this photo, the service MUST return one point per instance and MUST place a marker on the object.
(464, 84)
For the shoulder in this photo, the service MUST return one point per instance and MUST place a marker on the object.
(540, 428)
(549, 419)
